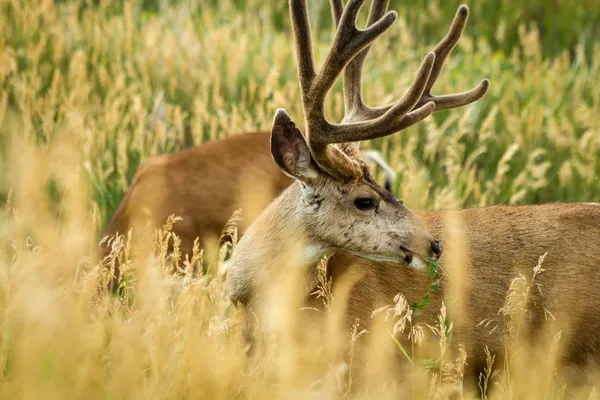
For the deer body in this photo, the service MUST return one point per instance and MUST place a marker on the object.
(495, 245)
(203, 186)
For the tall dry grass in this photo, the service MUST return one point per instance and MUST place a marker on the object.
(91, 88)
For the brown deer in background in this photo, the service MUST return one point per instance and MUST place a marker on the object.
(334, 208)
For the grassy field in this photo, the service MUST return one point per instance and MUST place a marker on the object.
(92, 88)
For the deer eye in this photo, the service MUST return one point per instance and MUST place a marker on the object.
(364, 203)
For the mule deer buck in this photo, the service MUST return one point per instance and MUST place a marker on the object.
(334, 208)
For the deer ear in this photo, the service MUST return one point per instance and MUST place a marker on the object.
(289, 149)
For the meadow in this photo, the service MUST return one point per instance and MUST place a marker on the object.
(89, 89)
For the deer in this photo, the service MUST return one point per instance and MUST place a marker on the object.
(334, 209)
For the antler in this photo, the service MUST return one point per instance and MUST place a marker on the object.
(350, 47)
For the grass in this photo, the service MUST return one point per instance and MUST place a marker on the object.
(92, 88)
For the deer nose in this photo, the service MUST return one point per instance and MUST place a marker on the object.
(437, 248)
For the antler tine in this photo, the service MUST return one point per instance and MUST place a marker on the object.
(304, 54)
(447, 44)
(353, 104)
(442, 50)
(337, 8)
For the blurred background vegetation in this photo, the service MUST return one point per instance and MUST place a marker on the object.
(561, 24)
(127, 80)
(89, 89)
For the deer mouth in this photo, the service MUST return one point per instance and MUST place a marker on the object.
(412, 259)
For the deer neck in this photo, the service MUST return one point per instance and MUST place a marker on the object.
(276, 242)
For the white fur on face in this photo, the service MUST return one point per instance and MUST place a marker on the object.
(417, 263)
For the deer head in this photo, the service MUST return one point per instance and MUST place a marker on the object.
(343, 208)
